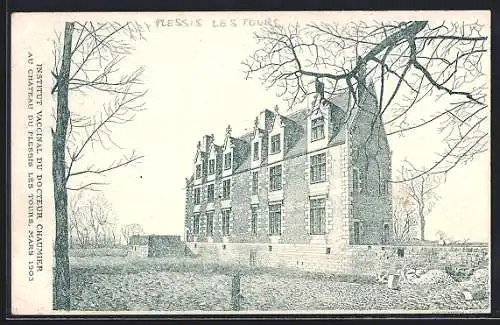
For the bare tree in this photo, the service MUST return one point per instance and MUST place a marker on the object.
(87, 58)
(99, 217)
(91, 221)
(111, 238)
(443, 237)
(73, 216)
(79, 229)
(422, 191)
(129, 230)
(406, 62)
(403, 216)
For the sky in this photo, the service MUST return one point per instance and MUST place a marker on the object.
(196, 86)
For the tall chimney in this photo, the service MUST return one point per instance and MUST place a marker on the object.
(207, 141)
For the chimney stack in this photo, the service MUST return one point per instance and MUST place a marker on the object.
(207, 141)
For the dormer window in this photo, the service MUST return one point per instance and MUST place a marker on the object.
(227, 161)
(211, 166)
(275, 143)
(255, 151)
(317, 128)
(198, 171)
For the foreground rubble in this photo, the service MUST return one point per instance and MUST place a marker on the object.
(418, 289)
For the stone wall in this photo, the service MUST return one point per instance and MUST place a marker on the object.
(165, 245)
(138, 250)
(358, 259)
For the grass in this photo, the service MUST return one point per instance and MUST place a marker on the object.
(92, 252)
(128, 265)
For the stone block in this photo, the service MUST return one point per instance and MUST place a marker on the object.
(393, 281)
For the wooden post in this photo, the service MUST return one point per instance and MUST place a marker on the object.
(235, 292)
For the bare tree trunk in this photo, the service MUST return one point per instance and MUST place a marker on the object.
(422, 225)
(61, 274)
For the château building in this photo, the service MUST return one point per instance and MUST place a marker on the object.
(314, 176)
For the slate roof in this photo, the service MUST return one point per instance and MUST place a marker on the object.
(297, 122)
(299, 145)
(243, 152)
(139, 240)
(296, 126)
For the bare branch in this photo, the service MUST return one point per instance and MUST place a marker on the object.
(114, 165)
(408, 61)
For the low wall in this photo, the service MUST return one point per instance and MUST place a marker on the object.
(358, 259)
(138, 250)
(165, 246)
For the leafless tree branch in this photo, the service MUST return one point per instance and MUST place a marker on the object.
(408, 62)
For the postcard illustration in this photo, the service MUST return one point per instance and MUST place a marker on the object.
(250, 162)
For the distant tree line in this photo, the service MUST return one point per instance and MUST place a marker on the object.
(93, 224)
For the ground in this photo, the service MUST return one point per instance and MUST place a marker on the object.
(118, 283)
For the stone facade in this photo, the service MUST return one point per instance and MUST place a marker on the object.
(316, 177)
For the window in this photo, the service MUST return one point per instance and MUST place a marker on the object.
(318, 216)
(253, 220)
(255, 151)
(227, 161)
(226, 189)
(196, 224)
(210, 193)
(384, 187)
(197, 195)
(198, 171)
(210, 223)
(225, 221)
(255, 182)
(275, 178)
(317, 128)
(355, 180)
(275, 219)
(386, 237)
(275, 143)
(211, 166)
(356, 233)
(318, 168)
